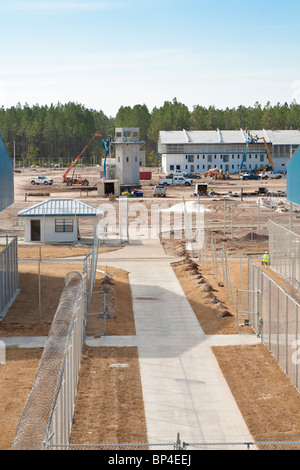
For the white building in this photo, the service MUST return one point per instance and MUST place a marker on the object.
(199, 151)
(57, 220)
(128, 156)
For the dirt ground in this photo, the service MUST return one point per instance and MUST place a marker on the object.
(266, 398)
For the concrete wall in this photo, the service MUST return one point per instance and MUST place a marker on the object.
(48, 234)
(127, 163)
(203, 162)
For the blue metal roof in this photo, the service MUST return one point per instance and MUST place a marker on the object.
(6, 178)
(61, 208)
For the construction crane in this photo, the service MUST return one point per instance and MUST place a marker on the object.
(77, 179)
(268, 152)
(244, 157)
(105, 144)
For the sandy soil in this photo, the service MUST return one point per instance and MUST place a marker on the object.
(270, 404)
(112, 408)
(109, 404)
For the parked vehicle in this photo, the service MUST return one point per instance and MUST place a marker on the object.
(250, 176)
(200, 189)
(192, 175)
(271, 175)
(160, 191)
(176, 173)
(175, 180)
(41, 180)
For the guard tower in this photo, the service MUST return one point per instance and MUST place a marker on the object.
(127, 145)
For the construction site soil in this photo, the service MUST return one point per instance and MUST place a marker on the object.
(109, 405)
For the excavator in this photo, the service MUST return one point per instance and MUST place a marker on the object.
(77, 179)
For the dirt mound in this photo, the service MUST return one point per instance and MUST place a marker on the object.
(252, 236)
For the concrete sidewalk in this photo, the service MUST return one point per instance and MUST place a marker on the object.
(183, 388)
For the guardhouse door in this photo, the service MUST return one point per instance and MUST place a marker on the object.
(35, 226)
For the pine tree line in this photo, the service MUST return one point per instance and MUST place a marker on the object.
(59, 132)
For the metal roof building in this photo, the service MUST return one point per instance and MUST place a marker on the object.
(6, 178)
(199, 151)
(56, 220)
(61, 207)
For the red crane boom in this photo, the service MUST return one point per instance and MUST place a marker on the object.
(78, 179)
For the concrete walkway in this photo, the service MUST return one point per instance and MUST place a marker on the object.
(183, 388)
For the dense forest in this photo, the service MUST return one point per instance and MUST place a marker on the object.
(58, 133)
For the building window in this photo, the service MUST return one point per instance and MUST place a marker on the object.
(186, 167)
(64, 225)
(171, 167)
(190, 158)
(177, 167)
(261, 157)
(225, 158)
(209, 158)
(127, 159)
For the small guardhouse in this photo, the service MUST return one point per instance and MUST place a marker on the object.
(57, 220)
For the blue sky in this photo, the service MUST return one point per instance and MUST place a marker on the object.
(107, 54)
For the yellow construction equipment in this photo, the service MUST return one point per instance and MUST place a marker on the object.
(268, 152)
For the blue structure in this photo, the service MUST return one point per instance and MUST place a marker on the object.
(6, 178)
(9, 279)
(293, 178)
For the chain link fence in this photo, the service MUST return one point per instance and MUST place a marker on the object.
(9, 278)
(284, 247)
(162, 452)
(277, 320)
(48, 414)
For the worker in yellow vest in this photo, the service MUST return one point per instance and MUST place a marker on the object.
(266, 259)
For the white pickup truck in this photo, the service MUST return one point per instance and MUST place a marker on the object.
(41, 180)
(271, 175)
(160, 191)
(175, 180)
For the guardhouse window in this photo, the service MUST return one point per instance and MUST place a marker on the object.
(64, 225)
